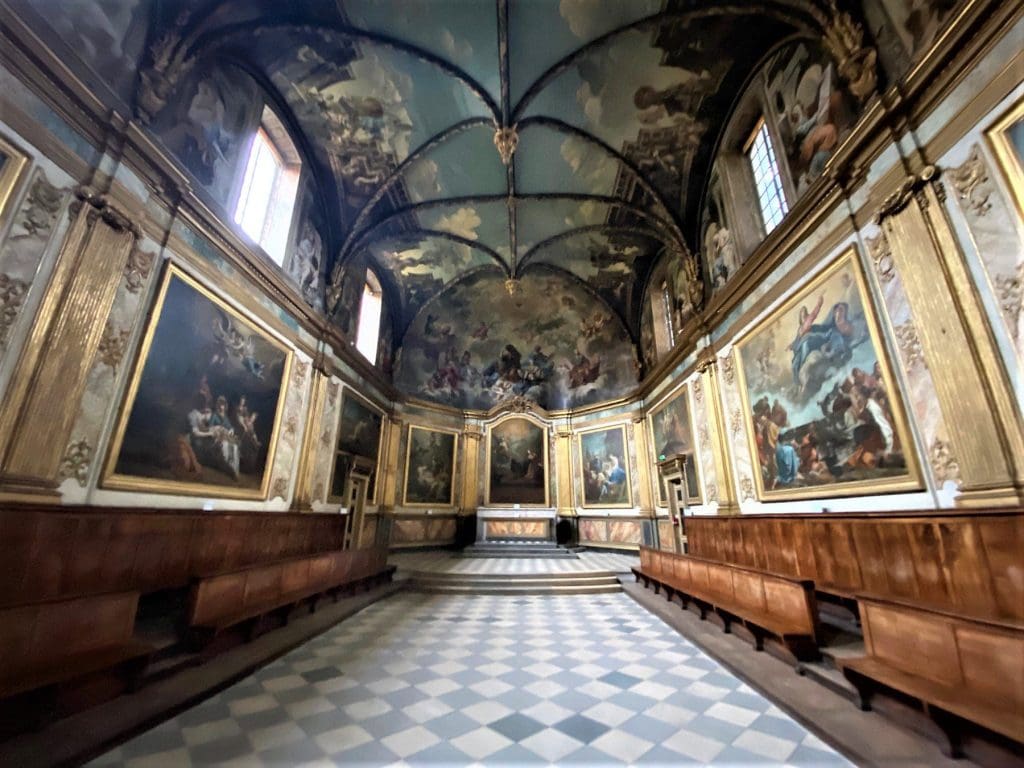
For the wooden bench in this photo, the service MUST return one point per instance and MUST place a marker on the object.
(261, 596)
(766, 605)
(47, 648)
(962, 670)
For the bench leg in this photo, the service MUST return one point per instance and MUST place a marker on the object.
(952, 729)
(864, 688)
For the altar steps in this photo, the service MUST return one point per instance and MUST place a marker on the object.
(513, 548)
(588, 583)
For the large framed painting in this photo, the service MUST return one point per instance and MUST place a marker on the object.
(203, 406)
(825, 411)
(1006, 137)
(604, 464)
(517, 464)
(430, 468)
(672, 435)
(359, 434)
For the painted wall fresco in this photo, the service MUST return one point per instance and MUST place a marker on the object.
(905, 29)
(210, 124)
(808, 109)
(430, 468)
(604, 462)
(202, 413)
(307, 262)
(721, 254)
(517, 463)
(475, 345)
(825, 409)
(344, 293)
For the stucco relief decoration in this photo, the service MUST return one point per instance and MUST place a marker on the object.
(943, 462)
(881, 257)
(698, 390)
(41, 210)
(111, 349)
(909, 343)
(746, 488)
(299, 373)
(728, 370)
(138, 269)
(711, 490)
(75, 464)
(736, 423)
(970, 180)
(12, 295)
(279, 489)
(1010, 292)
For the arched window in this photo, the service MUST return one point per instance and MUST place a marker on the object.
(267, 198)
(370, 308)
(767, 177)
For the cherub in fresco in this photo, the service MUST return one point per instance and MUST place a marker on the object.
(481, 331)
(592, 326)
(584, 371)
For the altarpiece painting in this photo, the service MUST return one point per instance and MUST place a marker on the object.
(517, 463)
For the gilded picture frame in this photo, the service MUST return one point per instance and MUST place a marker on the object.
(412, 503)
(505, 427)
(232, 320)
(845, 272)
(602, 476)
(1009, 156)
(679, 395)
(13, 163)
(349, 395)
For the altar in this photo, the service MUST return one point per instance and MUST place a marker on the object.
(515, 525)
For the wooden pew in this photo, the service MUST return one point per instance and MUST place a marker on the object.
(767, 605)
(962, 670)
(256, 597)
(47, 648)
(965, 563)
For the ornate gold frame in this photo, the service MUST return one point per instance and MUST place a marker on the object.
(408, 454)
(911, 481)
(625, 465)
(10, 174)
(346, 390)
(1010, 163)
(547, 467)
(112, 480)
(682, 390)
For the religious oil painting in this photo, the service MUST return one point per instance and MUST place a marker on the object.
(202, 411)
(605, 466)
(430, 468)
(517, 463)
(359, 432)
(825, 410)
(672, 435)
(1006, 137)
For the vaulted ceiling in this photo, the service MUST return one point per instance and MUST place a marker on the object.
(612, 108)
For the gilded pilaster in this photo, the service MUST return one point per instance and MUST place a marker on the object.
(646, 482)
(302, 499)
(719, 432)
(41, 405)
(472, 437)
(973, 390)
(563, 472)
(387, 464)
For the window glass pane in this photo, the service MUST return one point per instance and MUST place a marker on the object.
(767, 179)
(369, 324)
(258, 187)
(279, 217)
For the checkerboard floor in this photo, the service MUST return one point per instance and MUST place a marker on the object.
(458, 680)
(448, 562)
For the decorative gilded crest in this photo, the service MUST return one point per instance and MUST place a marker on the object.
(506, 140)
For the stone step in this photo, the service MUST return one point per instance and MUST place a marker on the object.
(470, 576)
(532, 588)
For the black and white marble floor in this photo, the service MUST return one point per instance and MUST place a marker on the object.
(459, 680)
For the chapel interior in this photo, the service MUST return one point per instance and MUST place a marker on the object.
(511, 382)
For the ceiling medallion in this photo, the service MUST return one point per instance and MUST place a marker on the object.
(506, 140)
(513, 286)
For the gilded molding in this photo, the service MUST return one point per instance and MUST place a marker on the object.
(76, 462)
(970, 180)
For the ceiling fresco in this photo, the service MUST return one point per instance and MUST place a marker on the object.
(459, 140)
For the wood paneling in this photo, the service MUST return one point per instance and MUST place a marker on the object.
(971, 564)
(52, 553)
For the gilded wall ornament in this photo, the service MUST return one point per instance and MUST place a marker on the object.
(970, 181)
(855, 62)
(1009, 291)
(944, 463)
(75, 463)
(111, 349)
(138, 269)
(12, 296)
(881, 256)
(909, 344)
